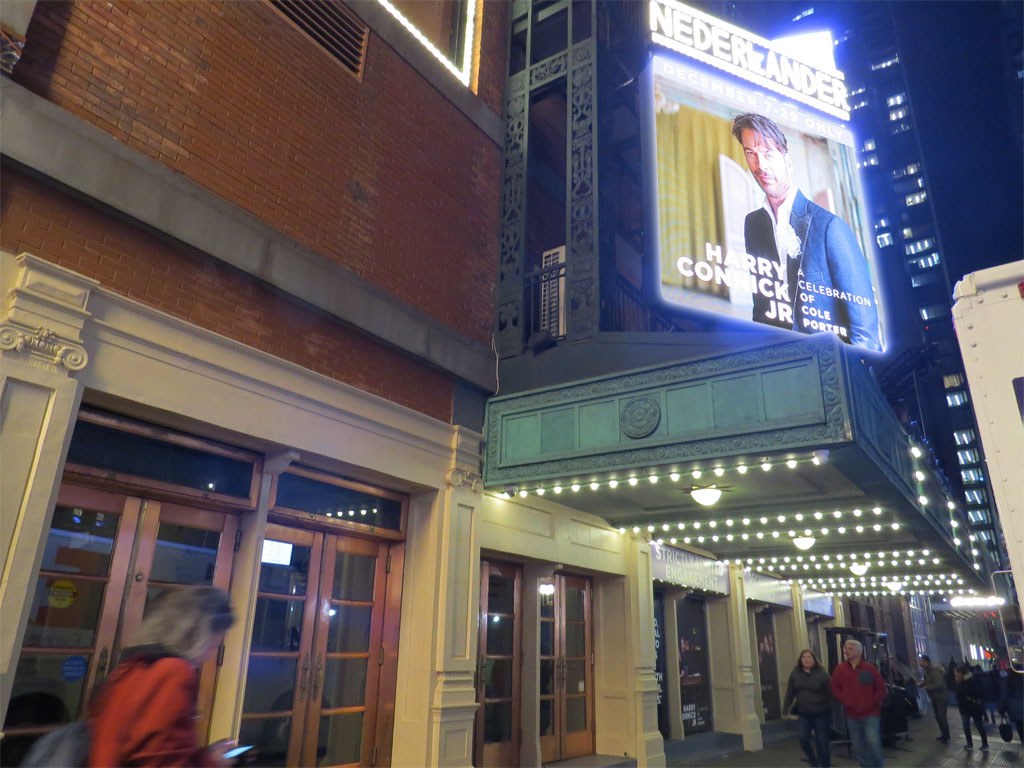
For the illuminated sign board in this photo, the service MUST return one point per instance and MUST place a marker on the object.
(759, 220)
(738, 52)
(677, 566)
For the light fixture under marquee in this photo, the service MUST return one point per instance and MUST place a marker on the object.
(706, 496)
(803, 542)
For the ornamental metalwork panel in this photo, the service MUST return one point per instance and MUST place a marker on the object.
(769, 399)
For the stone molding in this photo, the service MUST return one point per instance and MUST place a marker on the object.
(42, 347)
(44, 312)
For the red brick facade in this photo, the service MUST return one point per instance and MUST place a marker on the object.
(192, 286)
(384, 176)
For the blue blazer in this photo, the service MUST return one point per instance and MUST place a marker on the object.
(829, 282)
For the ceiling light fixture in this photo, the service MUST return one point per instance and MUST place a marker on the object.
(804, 542)
(706, 496)
(859, 569)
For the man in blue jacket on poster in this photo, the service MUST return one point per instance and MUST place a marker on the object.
(821, 280)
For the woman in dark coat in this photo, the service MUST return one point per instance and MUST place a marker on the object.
(809, 692)
(970, 699)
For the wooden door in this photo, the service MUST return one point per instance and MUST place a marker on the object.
(566, 668)
(319, 651)
(497, 735)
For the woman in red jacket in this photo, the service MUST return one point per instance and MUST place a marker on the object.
(144, 715)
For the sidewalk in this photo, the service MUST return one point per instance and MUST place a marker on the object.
(921, 751)
(782, 750)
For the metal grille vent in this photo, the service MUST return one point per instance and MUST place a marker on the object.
(332, 26)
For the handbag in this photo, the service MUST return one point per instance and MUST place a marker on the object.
(1005, 730)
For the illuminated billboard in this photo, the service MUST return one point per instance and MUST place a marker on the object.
(760, 215)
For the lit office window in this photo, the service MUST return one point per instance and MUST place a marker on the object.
(885, 64)
(868, 146)
(860, 104)
(964, 436)
(897, 114)
(913, 168)
(858, 90)
(882, 223)
(926, 262)
(933, 311)
(907, 233)
(977, 516)
(916, 198)
(870, 160)
(900, 128)
(952, 380)
(919, 246)
(896, 100)
(968, 456)
(957, 398)
(884, 239)
(972, 475)
(975, 496)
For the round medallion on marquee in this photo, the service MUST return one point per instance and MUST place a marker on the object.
(640, 416)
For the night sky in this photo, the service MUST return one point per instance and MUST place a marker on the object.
(964, 106)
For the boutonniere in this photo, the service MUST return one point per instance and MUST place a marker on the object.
(789, 243)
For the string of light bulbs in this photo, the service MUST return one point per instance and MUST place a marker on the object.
(654, 476)
(760, 527)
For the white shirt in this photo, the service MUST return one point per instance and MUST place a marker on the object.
(784, 214)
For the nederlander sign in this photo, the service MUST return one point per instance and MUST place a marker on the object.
(744, 54)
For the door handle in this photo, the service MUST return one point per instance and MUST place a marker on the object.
(318, 678)
(304, 677)
(101, 665)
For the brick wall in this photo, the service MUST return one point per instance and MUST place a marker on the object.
(192, 286)
(383, 176)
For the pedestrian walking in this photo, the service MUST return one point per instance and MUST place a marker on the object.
(144, 714)
(859, 687)
(809, 693)
(970, 699)
(934, 684)
(1011, 698)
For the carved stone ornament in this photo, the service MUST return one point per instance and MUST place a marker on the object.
(43, 347)
(640, 417)
(471, 481)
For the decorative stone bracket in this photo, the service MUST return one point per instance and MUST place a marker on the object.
(43, 347)
(43, 312)
(461, 478)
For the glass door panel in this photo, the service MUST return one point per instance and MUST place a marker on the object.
(280, 651)
(352, 596)
(498, 668)
(566, 668)
(316, 650)
(73, 617)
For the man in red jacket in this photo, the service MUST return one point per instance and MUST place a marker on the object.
(859, 687)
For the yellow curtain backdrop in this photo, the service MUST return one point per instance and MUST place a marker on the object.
(689, 187)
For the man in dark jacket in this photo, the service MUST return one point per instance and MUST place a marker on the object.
(859, 687)
(970, 699)
(935, 684)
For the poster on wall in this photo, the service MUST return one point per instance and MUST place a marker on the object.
(760, 213)
(767, 665)
(694, 667)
